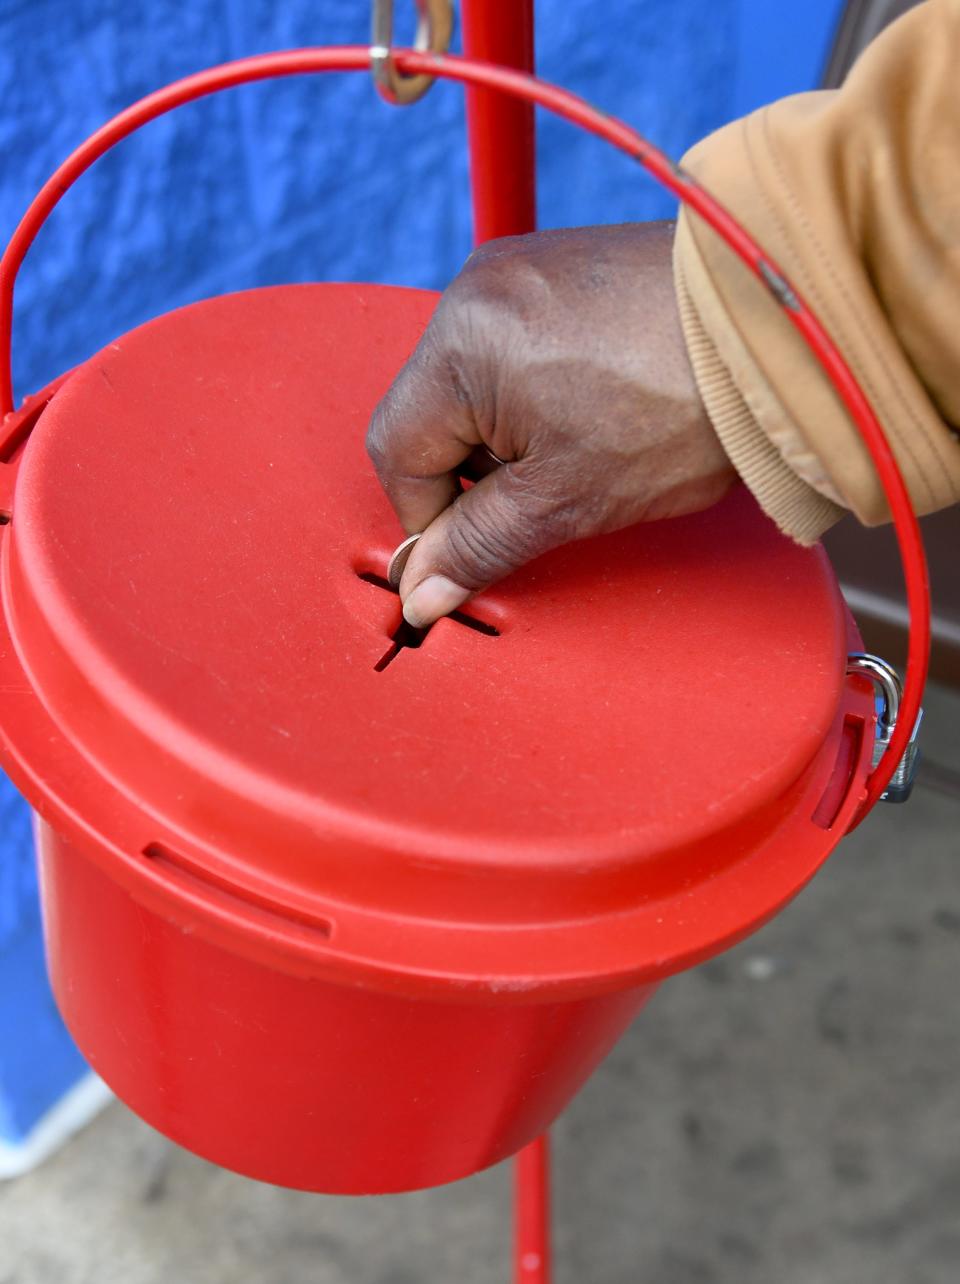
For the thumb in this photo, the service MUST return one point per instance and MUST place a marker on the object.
(491, 529)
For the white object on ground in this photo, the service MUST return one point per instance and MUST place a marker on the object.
(73, 1111)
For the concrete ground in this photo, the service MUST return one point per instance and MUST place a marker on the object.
(788, 1114)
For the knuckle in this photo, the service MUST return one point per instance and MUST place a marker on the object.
(481, 548)
(376, 441)
(495, 251)
(478, 554)
(500, 273)
(388, 432)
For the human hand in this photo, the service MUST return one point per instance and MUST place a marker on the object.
(562, 354)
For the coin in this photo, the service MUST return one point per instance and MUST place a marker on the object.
(399, 560)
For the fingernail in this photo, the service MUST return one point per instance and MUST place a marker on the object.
(434, 597)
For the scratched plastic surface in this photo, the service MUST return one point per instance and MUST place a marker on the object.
(192, 516)
(358, 928)
(195, 519)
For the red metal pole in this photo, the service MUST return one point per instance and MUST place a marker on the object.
(503, 182)
(500, 129)
(532, 1234)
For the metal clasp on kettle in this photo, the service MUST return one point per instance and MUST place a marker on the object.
(889, 691)
(434, 28)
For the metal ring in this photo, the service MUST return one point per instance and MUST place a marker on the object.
(434, 28)
(496, 458)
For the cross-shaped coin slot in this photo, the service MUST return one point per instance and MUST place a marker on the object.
(405, 637)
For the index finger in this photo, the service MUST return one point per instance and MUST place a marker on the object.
(420, 434)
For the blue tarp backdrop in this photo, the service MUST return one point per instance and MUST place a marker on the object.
(304, 179)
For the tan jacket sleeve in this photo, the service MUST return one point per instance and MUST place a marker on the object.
(856, 192)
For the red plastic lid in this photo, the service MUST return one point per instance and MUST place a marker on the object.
(619, 781)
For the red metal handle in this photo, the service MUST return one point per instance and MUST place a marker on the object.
(569, 106)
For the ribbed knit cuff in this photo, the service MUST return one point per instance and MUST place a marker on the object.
(800, 511)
